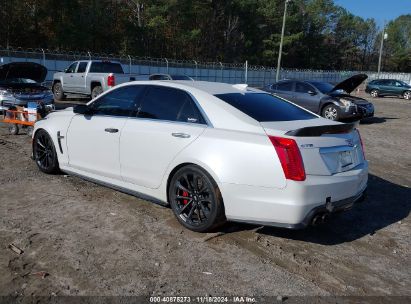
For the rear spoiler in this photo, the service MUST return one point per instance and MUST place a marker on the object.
(320, 130)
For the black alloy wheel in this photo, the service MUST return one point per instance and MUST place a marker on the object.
(44, 152)
(195, 199)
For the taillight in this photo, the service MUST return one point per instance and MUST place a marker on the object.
(362, 145)
(111, 82)
(290, 157)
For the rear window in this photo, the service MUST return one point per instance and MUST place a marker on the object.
(265, 107)
(106, 67)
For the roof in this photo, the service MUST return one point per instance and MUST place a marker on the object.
(215, 88)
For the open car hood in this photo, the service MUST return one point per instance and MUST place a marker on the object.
(350, 84)
(28, 70)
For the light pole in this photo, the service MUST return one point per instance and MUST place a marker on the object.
(281, 41)
(383, 37)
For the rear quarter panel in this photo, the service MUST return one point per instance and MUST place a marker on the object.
(235, 157)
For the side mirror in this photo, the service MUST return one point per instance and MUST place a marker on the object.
(65, 70)
(312, 93)
(82, 109)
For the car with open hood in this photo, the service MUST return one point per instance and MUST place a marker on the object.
(333, 102)
(21, 82)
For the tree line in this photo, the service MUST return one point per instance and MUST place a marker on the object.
(318, 35)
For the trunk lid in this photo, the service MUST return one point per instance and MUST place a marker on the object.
(326, 147)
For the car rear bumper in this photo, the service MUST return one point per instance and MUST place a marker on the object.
(296, 205)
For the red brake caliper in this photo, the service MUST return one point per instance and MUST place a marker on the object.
(185, 194)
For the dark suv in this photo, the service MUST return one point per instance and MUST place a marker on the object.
(389, 87)
(325, 99)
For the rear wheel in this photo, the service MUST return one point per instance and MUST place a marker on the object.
(58, 91)
(331, 112)
(374, 93)
(44, 153)
(195, 199)
(407, 95)
(97, 90)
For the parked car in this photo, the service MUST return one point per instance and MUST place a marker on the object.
(89, 77)
(389, 87)
(21, 82)
(169, 77)
(213, 151)
(333, 102)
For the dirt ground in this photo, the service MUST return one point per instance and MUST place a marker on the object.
(92, 240)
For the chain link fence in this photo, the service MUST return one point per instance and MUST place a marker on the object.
(257, 76)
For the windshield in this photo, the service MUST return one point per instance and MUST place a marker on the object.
(265, 107)
(106, 67)
(324, 87)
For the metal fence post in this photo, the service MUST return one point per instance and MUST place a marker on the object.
(196, 69)
(222, 74)
(89, 55)
(246, 71)
(129, 64)
(166, 64)
(44, 57)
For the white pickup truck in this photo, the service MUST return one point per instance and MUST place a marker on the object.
(88, 77)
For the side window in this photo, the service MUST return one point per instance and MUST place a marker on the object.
(397, 84)
(169, 104)
(72, 68)
(82, 67)
(120, 102)
(285, 86)
(301, 87)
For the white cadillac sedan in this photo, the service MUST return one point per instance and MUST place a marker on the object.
(213, 151)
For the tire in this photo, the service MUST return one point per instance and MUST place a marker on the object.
(407, 95)
(374, 93)
(44, 153)
(14, 129)
(97, 90)
(30, 130)
(195, 199)
(331, 112)
(58, 91)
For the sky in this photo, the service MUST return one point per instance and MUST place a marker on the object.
(380, 10)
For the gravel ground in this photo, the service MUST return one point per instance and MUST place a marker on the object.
(92, 240)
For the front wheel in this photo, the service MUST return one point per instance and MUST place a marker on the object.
(407, 95)
(195, 199)
(44, 152)
(331, 112)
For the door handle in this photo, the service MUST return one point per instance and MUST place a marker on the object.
(181, 135)
(111, 130)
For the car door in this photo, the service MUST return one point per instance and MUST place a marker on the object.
(68, 78)
(93, 139)
(398, 87)
(387, 87)
(168, 120)
(285, 89)
(79, 79)
(306, 96)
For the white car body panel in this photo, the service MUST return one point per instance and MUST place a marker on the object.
(233, 148)
(91, 148)
(148, 146)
